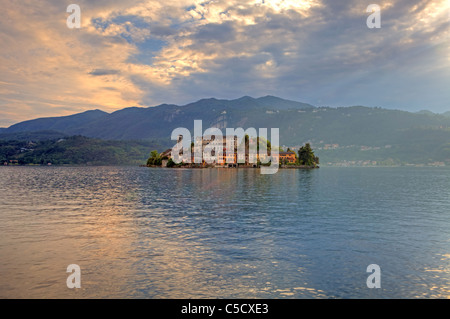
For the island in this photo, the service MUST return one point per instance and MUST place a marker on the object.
(304, 158)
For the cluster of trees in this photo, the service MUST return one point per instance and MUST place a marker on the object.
(156, 159)
(306, 156)
(76, 150)
(247, 143)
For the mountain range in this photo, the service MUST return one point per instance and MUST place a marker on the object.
(156, 122)
(343, 134)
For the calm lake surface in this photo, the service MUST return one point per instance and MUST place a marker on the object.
(218, 233)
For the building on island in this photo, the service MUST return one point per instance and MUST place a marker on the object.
(229, 151)
(288, 157)
(206, 148)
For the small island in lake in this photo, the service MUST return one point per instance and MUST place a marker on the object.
(304, 158)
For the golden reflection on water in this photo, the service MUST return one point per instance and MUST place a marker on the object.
(124, 248)
(441, 275)
(170, 234)
(49, 223)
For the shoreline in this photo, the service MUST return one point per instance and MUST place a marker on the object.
(224, 167)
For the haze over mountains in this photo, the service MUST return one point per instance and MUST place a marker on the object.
(354, 133)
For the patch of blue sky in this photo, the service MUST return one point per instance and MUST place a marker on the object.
(138, 22)
(99, 23)
(147, 51)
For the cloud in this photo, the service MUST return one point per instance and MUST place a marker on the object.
(139, 53)
(101, 72)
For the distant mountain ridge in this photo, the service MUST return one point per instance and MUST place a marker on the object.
(61, 124)
(339, 134)
(142, 123)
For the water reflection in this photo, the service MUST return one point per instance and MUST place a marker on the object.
(52, 218)
(220, 233)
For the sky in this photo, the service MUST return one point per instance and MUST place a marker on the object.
(144, 53)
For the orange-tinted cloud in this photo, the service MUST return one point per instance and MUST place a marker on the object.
(313, 50)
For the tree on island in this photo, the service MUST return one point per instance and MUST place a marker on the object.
(171, 163)
(154, 159)
(267, 146)
(306, 156)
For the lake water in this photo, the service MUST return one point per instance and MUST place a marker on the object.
(219, 233)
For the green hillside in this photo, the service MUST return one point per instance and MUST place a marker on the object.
(341, 134)
(76, 150)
